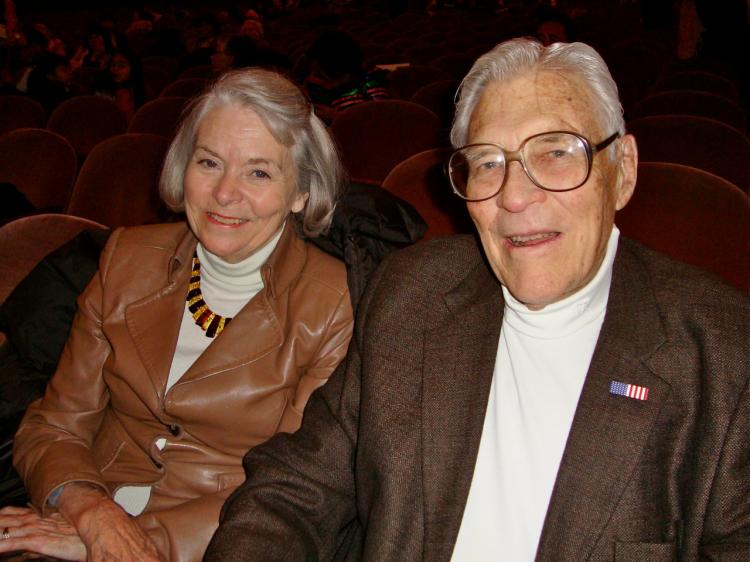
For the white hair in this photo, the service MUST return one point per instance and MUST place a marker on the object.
(515, 57)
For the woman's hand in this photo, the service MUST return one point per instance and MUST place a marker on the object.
(110, 534)
(44, 536)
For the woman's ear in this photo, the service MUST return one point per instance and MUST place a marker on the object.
(300, 200)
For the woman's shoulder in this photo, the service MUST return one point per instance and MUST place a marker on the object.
(324, 268)
(166, 236)
(149, 245)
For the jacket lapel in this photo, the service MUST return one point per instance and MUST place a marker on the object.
(256, 330)
(154, 321)
(459, 362)
(609, 432)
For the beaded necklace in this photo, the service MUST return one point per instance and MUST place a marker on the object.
(210, 322)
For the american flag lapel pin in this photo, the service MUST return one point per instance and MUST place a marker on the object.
(629, 390)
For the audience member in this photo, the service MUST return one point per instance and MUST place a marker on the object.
(50, 81)
(98, 48)
(194, 342)
(241, 51)
(554, 392)
(123, 82)
(335, 75)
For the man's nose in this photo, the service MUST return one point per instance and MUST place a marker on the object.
(518, 190)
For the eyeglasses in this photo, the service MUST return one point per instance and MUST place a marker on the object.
(555, 161)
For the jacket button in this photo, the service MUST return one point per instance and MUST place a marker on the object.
(175, 429)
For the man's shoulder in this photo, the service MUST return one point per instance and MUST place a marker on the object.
(673, 280)
(441, 261)
(409, 283)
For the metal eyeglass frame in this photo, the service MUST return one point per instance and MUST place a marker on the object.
(515, 156)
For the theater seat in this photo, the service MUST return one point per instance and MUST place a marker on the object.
(159, 117)
(118, 182)
(85, 121)
(375, 136)
(693, 216)
(41, 164)
(420, 181)
(691, 102)
(18, 112)
(694, 141)
(25, 241)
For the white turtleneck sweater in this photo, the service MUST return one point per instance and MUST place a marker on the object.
(226, 288)
(542, 360)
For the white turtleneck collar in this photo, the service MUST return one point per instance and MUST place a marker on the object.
(542, 360)
(570, 314)
(233, 277)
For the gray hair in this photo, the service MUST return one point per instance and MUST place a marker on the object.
(289, 117)
(519, 56)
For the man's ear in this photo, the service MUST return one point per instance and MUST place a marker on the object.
(627, 172)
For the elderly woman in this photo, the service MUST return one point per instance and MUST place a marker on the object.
(194, 342)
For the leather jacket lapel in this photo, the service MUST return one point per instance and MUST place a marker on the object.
(609, 431)
(256, 330)
(459, 362)
(154, 321)
(253, 333)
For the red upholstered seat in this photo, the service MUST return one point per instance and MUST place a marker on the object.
(375, 136)
(692, 102)
(85, 121)
(420, 181)
(40, 164)
(457, 65)
(118, 182)
(694, 141)
(439, 97)
(406, 80)
(25, 241)
(18, 112)
(693, 216)
(698, 80)
(159, 117)
(185, 87)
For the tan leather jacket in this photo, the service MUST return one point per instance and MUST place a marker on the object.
(105, 407)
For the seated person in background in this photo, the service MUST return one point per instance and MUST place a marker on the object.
(239, 51)
(122, 81)
(157, 396)
(557, 393)
(50, 81)
(335, 76)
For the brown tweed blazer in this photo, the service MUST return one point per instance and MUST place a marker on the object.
(381, 469)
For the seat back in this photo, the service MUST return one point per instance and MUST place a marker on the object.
(19, 112)
(692, 102)
(457, 65)
(693, 216)
(25, 241)
(406, 80)
(439, 97)
(420, 181)
(694, 141)
(375, 136)
(85, 121)
(118, 184)
(185, 87)
(40, 164)
(204, 71)
(698, 80)
(159, 117)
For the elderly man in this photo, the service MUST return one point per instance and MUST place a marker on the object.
(559, 394)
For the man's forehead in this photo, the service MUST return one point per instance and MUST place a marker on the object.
(534, 96)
